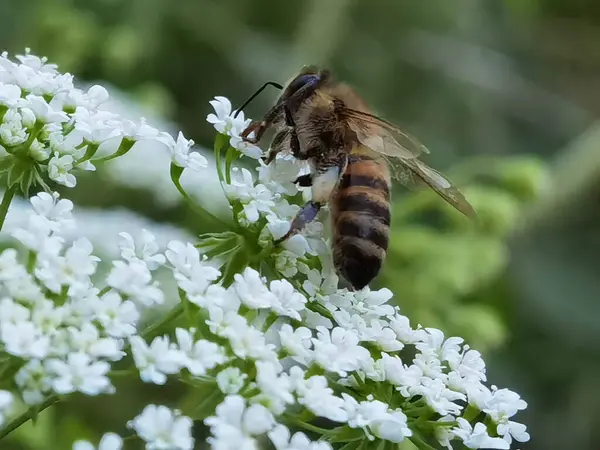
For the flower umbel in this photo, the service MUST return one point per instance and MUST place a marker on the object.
(261, 332)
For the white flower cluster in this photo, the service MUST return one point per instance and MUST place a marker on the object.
(62, 328)
(354, 336)
(158, 426)
(280, 352)
(59, 129)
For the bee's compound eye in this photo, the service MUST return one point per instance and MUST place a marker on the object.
(301, 81)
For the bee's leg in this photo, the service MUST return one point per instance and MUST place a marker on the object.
(259, 128)
(304, 180)
(306, 215)
(323, 184)
(276, 146)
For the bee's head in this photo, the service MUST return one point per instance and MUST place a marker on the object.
(309, 75)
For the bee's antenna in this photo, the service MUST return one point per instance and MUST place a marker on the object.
(268, 83)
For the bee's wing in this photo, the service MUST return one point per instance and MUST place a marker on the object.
(413, 173)
(382, 136)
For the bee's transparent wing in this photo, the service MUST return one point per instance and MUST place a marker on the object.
(382, 136)
(415, 174)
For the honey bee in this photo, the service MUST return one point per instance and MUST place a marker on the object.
(348, 149)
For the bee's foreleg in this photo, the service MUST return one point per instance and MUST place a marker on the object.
(277, 145)
(259, 128)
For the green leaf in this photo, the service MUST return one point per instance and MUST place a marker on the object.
(6, 163)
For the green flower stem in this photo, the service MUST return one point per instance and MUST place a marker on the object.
(37, 127)
(175, 312)
(26, 416)
(105, 290)
(307, 426)
(176, 172)
(231, 155)
(124, 147)
(420, 442)
(220, 142)
(6, 199)
(471, 413)
(31, 259)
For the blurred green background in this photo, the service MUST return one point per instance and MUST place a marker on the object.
(504, 93)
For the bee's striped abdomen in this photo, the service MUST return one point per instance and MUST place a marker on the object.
(361, 220)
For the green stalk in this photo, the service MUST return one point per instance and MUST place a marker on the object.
(6, 199)
(176, 172)
(26, 416)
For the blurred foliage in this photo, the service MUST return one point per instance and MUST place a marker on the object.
(441, 265)
(478, 82)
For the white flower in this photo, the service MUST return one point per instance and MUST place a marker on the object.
(110, 441)
(24, 339)
(135, 280)
(247, 149)
(252, 290)
(276, 388)
(216, 296)
(79, 373)
(279, 176)
(199, 356)
(297, 342)
(254, 199)
(223, 120)
(9, 94)
(501, 406)
(42, 110)
(117, 317)
(36, 234)
(146, 250)
(156, 361)
(289, 301)
(136, 131)
(405, 334)
(236, 423)
(58, 170)
(12, 312)
(183, 257)
(94, 125)
(231, 380)
(317, 397)
(478, 436)
(339, 350)
(375, 418)
(12, 131)
(438, 396)
(180, 152)
(280, 437)
(74, 268)
(195, 284)
(87, 340)
(33, 381)
(248, 342)
(56, 212)
(163, 429)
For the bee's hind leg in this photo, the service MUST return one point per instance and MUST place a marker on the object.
(306, 215)
(323, 183)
